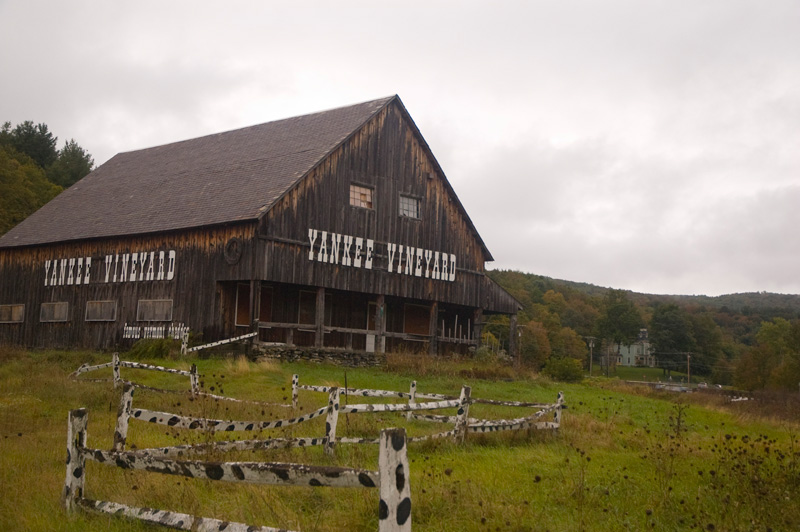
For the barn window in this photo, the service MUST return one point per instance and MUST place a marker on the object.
(307, 310)
(12, 313)
(409, 206)
(101, 311)
(154, 310)
(361, 196)
(51, 312)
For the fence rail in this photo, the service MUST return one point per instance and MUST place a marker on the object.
(391, 478)
(463, 424)
(194, 379)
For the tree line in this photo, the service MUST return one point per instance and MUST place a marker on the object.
(752, 346)
(33, 170)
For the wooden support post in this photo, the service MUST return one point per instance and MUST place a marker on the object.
(463, 415)
(76, 463)
(380, 325)
(185, 343)
(513, 338)
(123, 416)
(115, 368)
(319, 318)
(557, 415)
(394, 509)
(433, 342)
(332, 420)
(255, 307)
(477, 326)
(349, 341)
(290, 337)
(295, 389)
(194, 381)
(412, 398)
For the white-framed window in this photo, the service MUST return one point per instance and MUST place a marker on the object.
(154, 310)
(409, 206)
(54, 312)
(12, 313)
(101, 311)
(361, 196)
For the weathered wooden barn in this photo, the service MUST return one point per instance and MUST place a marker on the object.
(334, 229)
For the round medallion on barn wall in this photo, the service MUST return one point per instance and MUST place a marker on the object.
(233, 250)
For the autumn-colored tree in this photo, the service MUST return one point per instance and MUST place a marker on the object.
(534, 344)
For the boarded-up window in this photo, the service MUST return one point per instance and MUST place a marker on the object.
(12, 313)
(409, 207)
(54, 311)
(154, 310)
(308, 308)
(416, 319)
(101, 311)
(243, 304)
(360, 196)
(265, 312)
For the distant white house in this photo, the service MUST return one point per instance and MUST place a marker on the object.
(638, 353)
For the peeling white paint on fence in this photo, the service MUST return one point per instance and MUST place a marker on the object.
(391, 478)
(221, 342)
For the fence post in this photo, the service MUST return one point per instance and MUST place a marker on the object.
(123, 416)
(76, 463)
(394, 511)
(557, 415)
(115, 366)
(185, 343)
(332, 420)
(295, 384)
(193, 381)
(412, 398)
(463, 415)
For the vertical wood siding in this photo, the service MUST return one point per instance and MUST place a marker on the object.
(200, 264)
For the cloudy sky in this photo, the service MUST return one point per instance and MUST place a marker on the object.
(637, 144)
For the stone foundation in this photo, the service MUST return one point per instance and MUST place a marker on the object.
(339, 357)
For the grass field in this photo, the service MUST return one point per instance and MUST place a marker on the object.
(625, 458)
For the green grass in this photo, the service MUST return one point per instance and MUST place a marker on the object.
(625, 458)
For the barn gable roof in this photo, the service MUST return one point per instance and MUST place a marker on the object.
(224, 178)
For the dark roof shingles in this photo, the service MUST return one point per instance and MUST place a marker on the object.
(221, 178)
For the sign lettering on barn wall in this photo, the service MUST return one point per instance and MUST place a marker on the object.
(357, 252)
(117, 268)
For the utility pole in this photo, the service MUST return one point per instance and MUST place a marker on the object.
(591, 352)
(689, 369)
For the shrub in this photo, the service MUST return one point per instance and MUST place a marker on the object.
(564, 369)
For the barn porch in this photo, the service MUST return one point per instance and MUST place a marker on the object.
(305, 316)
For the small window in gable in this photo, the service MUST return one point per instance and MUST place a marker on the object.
(361, 196)
(409, 206)
(51, 312)
(12, 313)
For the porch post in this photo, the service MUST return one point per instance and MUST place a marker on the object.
(319, 321)
(477, 326)
(433, 342)
(380, 324)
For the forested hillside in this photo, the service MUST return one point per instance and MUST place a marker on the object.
(750, 340)
(33, 171)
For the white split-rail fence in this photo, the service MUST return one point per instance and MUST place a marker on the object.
(392, 478)
(463, 424)
(194, 379)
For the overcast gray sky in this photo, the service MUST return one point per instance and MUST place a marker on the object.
(645, 145)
